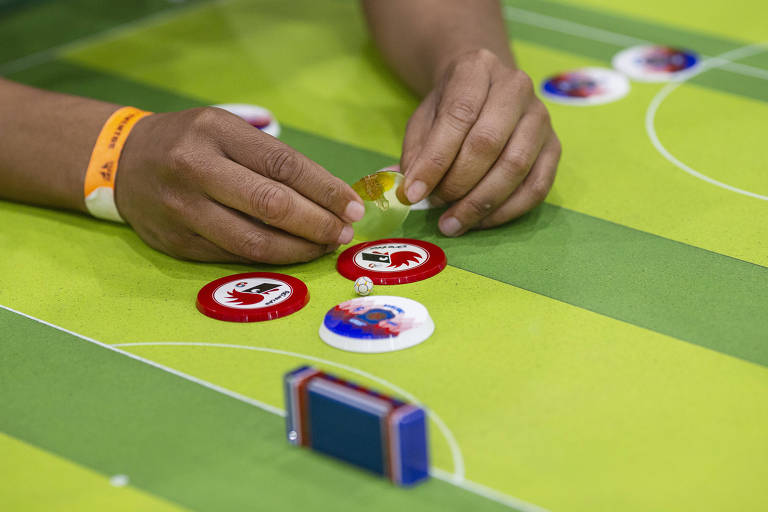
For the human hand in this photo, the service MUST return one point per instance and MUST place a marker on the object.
(483, 141)
(203, 184)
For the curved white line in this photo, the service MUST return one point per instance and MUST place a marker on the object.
(458, 459)
(650, 115)
(468, 485)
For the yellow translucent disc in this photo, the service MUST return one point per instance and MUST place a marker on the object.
(384, 213)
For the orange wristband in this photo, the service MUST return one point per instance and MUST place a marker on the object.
(102, 169)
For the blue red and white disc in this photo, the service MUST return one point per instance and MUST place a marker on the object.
(256, 116)
(252, 297)
(655, 63)
(392, 261)
(379, 323)
(586, 86)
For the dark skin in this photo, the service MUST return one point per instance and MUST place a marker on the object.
(202, 184)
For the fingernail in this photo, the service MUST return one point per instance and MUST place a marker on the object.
(354, 211)
(450, 226)
(415, 191)
(346, 235)
(331, 248)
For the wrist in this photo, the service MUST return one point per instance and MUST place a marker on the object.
(102, 170)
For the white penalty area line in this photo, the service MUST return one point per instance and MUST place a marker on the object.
(448, 477)
(563, 26)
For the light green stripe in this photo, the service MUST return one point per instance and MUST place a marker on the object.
(601, 46)
(177, 439)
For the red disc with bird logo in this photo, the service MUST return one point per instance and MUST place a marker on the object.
(392, 261)
(252, 297)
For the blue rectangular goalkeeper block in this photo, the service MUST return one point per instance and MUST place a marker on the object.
(346, 426)
(357, 425)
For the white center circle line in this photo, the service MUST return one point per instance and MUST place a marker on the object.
(650, 115)
(457, 457)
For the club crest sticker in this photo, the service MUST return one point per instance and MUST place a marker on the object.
(365, 318)
(656, 63)
(376, 324)
(394, 257)
(586, 86)
(253, 293)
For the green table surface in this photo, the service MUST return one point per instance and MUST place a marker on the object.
(607, 351)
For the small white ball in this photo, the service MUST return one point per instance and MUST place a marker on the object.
(363, 285)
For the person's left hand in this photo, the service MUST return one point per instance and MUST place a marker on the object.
(483, 141)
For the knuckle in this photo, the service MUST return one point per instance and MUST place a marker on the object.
(461, 114)
(331, 194)
(182, 158)
(539, 191)
(438, 161)
(328, 230)
(476, 208)
(523, 80)
(515, 165)
(206, 118)
(485, 141)
(283, 165)
(541, 111)
(485, 55)
(271, 202)
(451, 191)
(172, 202)
(254, 245)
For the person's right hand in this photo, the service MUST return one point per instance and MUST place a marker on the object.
(204, 185)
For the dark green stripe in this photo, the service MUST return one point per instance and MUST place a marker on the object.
(725, 81)
(27, 28)
(689, 293)
(669, 287)
(177, 439)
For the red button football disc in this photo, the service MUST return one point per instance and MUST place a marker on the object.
(252, 297)
(392, 261)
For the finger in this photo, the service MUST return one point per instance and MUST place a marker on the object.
(533, 190)
(274, 203)
(415, 132)
(509, 171)
(461, 102)
(279, 162)
(201, 249)
(186, 245)
(253, 241)
(507, 100)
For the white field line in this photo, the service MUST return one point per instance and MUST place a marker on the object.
(205, 384)
(487, 492)
(42, 56)
(570, 27)
(458, 459)
(606, 36)
(653, 107)
(448, 477)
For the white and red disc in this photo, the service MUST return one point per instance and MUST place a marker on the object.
(252, 297)
(392, 261)
(256, 116)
